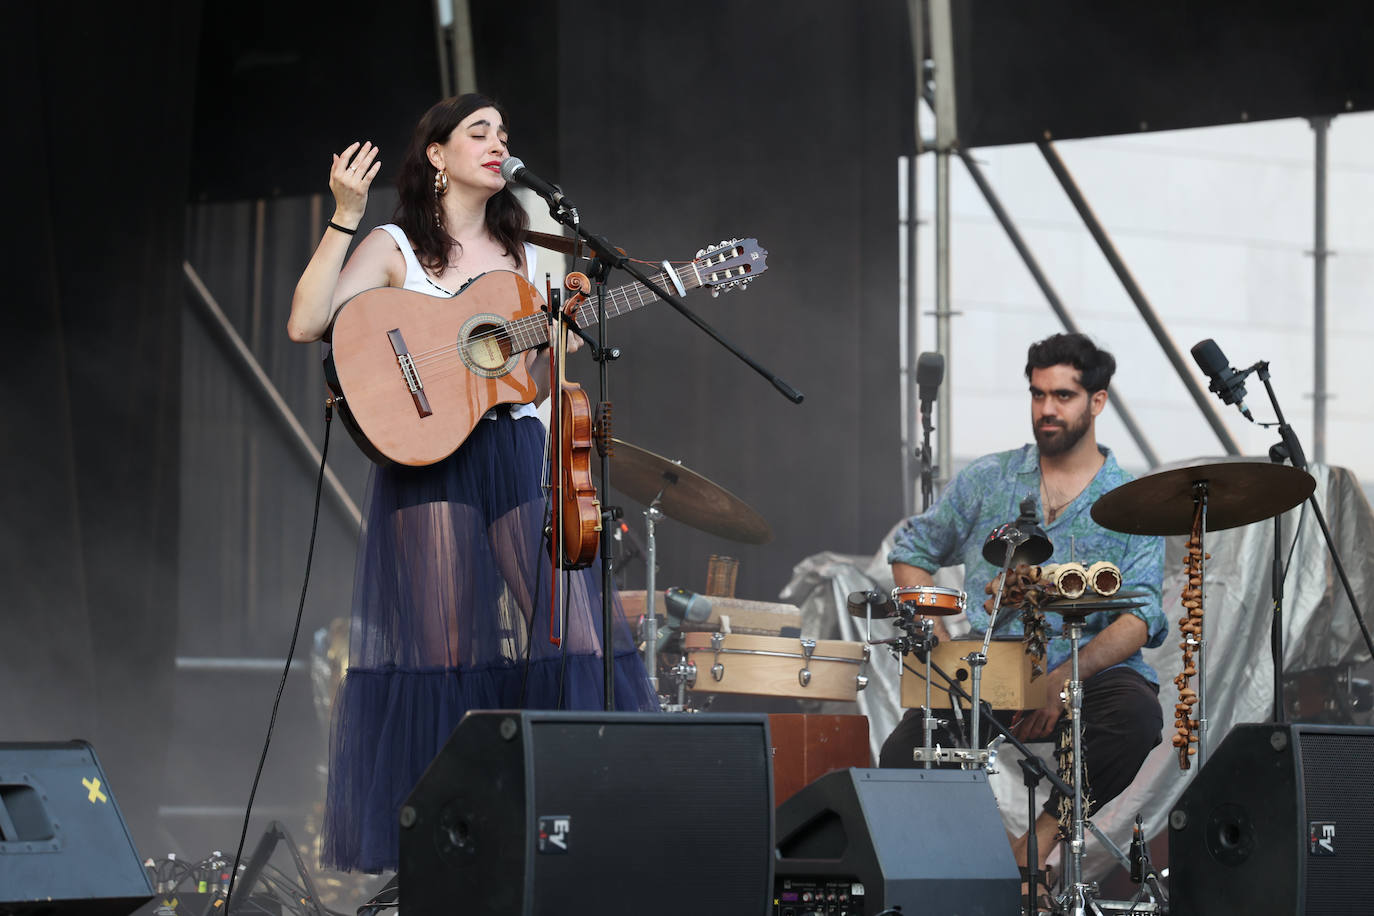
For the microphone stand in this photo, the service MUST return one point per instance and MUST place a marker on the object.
(927, 487)
(1033, 770)
(1013, 537)
(1290, 449)
(607, 256)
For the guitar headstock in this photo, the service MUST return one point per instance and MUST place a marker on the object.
(731, 264)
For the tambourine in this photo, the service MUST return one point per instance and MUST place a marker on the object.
(930, 600)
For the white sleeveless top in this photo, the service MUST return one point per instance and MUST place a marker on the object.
(418, 281)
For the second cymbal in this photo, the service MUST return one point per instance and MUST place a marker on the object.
(1238, 493)
(685, 495)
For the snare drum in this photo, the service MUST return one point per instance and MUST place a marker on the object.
(930, 600)
(776, 666)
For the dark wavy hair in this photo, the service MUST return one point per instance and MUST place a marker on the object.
(506, 220)
(1095, 366)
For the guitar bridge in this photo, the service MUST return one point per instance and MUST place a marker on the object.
(409, 372)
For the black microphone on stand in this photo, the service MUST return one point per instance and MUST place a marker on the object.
(1138, 854)
(512, 169)
(880, 602)
(930, 371)
(682, 607)
(1226, 382)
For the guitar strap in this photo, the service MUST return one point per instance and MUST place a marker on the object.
(552, 242)
(559, 243)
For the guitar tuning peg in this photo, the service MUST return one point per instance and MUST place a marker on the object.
(715, 293)
(700, 252)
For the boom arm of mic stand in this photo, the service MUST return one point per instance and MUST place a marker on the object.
(1295, 453)
(607, 252)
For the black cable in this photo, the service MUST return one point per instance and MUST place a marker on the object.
(1297, 530)
(921, 676)
(290, 653)
(563, 644)
(281, 882)
(956, 728)
(948, 692)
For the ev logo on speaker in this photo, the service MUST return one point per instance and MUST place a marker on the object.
(554, 833)
(1321, 838)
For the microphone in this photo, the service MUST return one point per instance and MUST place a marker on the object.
(512, 169)
(1138, 853)
(880, 602)
(683, 606)
(1227, 383)
(930, 372)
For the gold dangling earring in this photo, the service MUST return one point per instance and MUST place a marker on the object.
(440, 189)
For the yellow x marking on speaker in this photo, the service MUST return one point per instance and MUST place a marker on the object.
(94, 794)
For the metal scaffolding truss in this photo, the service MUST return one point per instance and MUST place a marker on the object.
(934, 75)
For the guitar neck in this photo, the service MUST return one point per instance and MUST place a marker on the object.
(533, 331)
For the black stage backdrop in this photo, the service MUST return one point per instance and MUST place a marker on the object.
(682, 124)
(99, 106)
(154, 509)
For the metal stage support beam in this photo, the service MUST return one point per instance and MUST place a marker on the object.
(453, 36)
(1104, 242)
(464, 64)
(946, 141)
(1320, 127)
(911, 299)
(1051, 296)
(220, 326)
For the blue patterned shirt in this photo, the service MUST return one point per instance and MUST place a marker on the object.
(987, 494)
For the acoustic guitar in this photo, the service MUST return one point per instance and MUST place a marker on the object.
(412, 374)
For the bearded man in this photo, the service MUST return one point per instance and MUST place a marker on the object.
(1065, 472)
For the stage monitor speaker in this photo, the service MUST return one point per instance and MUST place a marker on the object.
(924, 841)
(527, 812)
(1280, 820)
(64, 847)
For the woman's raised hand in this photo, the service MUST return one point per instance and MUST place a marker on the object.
(350, 178)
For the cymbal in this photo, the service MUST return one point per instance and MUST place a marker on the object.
(1238, 493)
(1077, 607)
(684, 495)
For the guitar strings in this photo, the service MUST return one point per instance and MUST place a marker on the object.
(447, 361)
(533, 325)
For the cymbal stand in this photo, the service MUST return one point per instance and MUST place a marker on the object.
(921, 639)
(1076, 891)
(1013, 537)
(928, 722)
(1033, 769)
(651, 515)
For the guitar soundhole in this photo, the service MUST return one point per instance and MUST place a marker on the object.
(485, 346)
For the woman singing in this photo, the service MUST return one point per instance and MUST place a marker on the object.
(450, 599)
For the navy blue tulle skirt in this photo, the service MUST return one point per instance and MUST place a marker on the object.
(451, 613)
